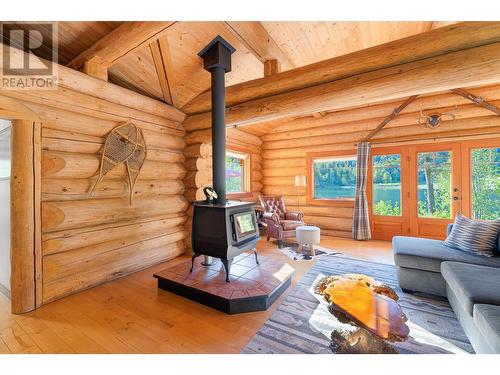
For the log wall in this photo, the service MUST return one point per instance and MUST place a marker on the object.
(90, 239)
(286, 145)
(82, 240)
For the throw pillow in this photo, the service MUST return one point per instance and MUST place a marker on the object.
(474, 236)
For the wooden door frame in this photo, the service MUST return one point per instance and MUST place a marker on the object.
(456, 181)
(404, 165)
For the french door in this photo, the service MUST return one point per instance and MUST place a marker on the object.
(417, 190)
(435, 192)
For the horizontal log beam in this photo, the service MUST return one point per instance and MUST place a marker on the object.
(258, 41)
(471, 67)
(121, 42)
(421, 46)
(300, 127)
(70, 80)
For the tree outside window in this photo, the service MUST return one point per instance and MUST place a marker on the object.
(486, 183)
(335, 178)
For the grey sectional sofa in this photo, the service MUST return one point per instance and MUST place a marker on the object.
(470, 282)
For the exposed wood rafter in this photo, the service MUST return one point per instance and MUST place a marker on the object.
(271, 67)
(163, 63)
(466, 68)
(425, 45)
(477, 99)
(389, 118)
(258, 41)
(121, 42)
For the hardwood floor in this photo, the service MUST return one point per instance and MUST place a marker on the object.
(131, 315)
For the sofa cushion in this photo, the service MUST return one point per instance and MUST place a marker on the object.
(487, 321)
(496, 249)
(426, 254)
(290, 224)
(474, 236)
(472, 284)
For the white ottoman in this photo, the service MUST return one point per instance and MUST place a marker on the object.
(307, 235)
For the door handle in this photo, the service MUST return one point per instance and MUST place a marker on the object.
(456, 198)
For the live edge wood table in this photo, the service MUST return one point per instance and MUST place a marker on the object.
(370, 307)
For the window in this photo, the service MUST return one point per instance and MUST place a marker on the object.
(237, 172)
(486, 183)
(334, 177)
(434, 184)
(387, 185)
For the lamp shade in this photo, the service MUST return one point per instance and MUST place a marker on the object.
(300, 180)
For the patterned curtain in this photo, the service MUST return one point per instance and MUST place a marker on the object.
(361, 223)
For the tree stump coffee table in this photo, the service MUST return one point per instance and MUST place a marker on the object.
(370, 306)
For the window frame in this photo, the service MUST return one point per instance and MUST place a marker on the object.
(247, 173)
(310, 158)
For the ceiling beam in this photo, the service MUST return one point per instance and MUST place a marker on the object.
(121, 42)
(258, 41)
(389, 118)
(98, 91)
(479, 100)
(432, 43)
(467, 68)
(163, 64)
(271, 67)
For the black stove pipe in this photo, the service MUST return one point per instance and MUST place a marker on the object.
(219, 133)
(217, 60)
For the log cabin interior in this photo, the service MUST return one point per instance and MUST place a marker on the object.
(250, 187)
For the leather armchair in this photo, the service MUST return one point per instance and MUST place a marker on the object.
(280, 223)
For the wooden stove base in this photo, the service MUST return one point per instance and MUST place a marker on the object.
(252, 288)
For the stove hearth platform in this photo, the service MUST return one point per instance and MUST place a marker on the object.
(252, 288)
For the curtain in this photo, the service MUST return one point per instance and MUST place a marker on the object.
(361, 220)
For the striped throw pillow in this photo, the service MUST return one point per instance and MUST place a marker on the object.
(474, 236)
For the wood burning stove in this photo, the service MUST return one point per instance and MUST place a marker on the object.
(223, 229)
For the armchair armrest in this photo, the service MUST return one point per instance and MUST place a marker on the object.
(272, 218)
(294, 215)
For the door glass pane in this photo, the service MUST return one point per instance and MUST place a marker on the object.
(434, 183)
(387, 185)
(335, 178)
(486, 183)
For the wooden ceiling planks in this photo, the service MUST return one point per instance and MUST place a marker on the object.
(73, 37)
(186, 39)
(309, 42)
(138, 70)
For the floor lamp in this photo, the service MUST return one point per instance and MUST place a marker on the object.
(300, 181)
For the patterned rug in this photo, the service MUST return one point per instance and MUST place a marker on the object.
(291, 250)
(303, 324)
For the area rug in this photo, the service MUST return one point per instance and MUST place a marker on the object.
(303, 324)
(291, 250)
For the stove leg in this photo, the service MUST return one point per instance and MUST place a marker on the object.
(256, 257)
(227, 266)
(192, 261)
